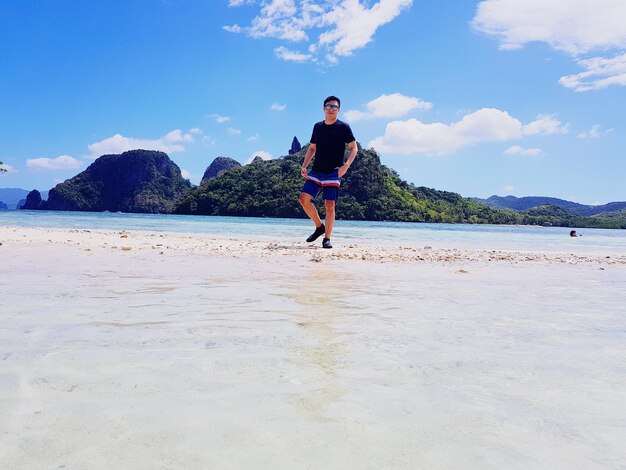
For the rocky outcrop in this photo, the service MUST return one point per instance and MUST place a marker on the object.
(218, 167)
(134, 181)
(34, 201)
(295, 146)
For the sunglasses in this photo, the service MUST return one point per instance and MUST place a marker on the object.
(331, 107)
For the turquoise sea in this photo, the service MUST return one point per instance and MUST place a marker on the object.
(494, 237)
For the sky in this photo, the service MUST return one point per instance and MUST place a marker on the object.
(504, 97)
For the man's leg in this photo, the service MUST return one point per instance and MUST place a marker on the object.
(309, 208)
(330, 217)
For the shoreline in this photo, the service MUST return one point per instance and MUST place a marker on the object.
(163, 243)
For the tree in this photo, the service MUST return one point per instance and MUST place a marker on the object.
(2, 170)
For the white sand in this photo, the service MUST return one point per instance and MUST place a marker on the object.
(145, 351)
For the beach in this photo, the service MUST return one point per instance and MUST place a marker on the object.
(150, 350)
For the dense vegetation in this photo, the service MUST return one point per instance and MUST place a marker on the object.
(607, 220)
(135, 181)
(526, 203)
(370, 191)
(148, 181)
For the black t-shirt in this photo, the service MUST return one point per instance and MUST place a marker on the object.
(330, 141)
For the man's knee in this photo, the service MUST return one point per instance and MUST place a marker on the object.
(330, 205)
(305, 199)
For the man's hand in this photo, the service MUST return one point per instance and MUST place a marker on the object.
(343, 169)
(303, 172)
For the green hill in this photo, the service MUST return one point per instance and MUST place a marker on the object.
(529, 202)
(370, 191)
(607, 220)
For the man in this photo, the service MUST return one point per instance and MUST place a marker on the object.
(328, 144)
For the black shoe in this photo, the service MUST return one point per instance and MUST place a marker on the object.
(326, 243)
(315, 235)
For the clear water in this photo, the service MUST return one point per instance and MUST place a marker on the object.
(463, 236)
(227, 363)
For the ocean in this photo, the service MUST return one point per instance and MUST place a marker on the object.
(462, 236)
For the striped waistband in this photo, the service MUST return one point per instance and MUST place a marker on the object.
(325, 179)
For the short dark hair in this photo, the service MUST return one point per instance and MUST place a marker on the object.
(332, 98)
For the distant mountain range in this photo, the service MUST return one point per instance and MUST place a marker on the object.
(11, 197)
(522, 204)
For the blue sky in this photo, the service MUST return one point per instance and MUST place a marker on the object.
(521, 97)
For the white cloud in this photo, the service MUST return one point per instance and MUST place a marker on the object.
(508, 189)
(594, 133)
(578, 29)
(235, 28)
(185, 174)
(600, 72)
(195, 131)
(355, 25)
(238, 3)
(278, 107)
(218, 118)
(254, 137)
(291, 56)
(233, 131)
(64, 162)
(388, 106)
(485, 125)
(517, 150)
(259, 153)
(574, 27)
(172, 142)
(345, 25)
(545, 125)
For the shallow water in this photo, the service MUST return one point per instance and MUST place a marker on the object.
(133, 360)
(494, 237)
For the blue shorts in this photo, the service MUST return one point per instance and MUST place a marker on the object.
(328, 183)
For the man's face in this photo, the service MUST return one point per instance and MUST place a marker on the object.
(331, 109)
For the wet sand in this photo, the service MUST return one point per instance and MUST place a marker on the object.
(147, 350)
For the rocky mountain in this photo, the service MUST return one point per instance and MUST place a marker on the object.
(134, 181)
(525, 203)
(219, 166)
(34, 201)
(295, 146)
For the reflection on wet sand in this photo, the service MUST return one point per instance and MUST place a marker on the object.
(322, 297)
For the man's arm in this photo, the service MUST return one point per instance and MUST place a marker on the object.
(343, 169)
(307, 159)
